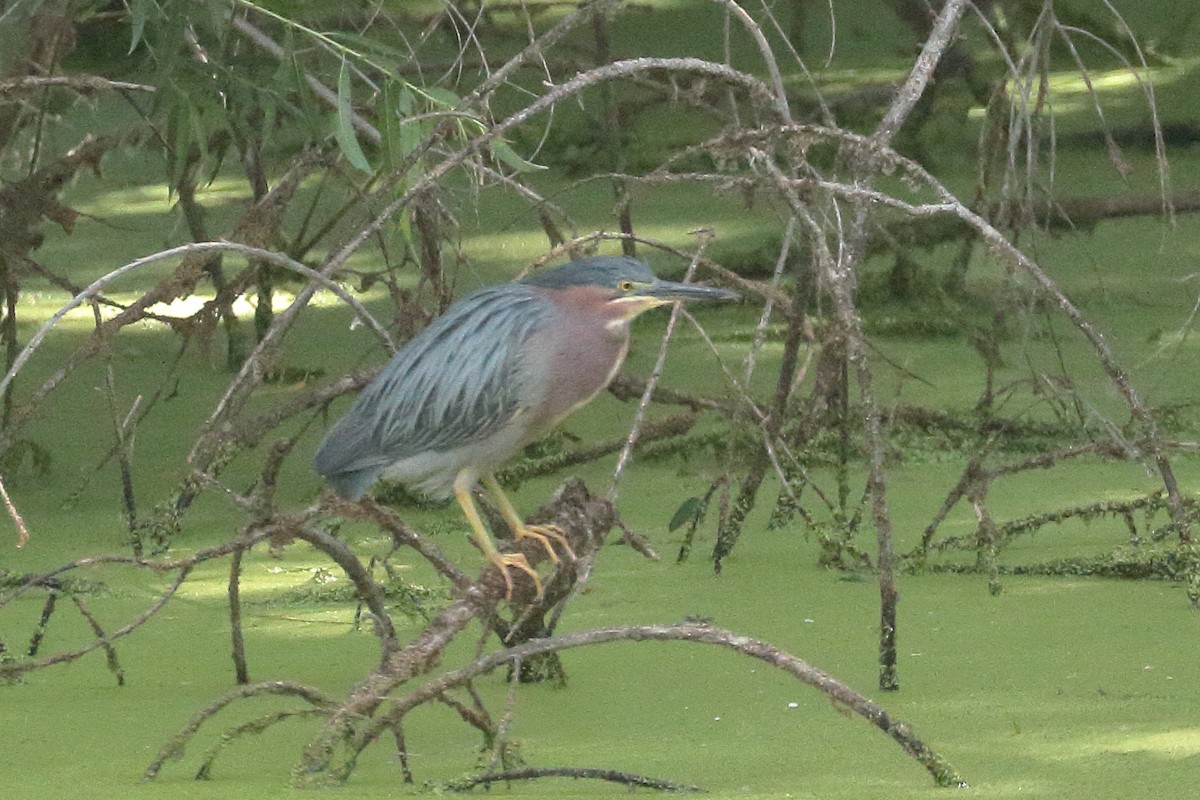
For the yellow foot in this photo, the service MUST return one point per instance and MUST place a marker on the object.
(505, 560)
(544, 533)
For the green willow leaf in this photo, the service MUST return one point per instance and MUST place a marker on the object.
(343, 131)
(688, 512)
(504, 153)
(139, 14)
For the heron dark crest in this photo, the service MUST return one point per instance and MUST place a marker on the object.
(500, 369)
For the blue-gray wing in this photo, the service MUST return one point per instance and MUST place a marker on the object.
(455, 383)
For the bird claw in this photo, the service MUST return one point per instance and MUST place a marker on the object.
(543, 534)
(506, 560)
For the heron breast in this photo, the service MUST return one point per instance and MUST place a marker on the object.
(583, 356)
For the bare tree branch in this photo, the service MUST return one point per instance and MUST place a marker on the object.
(838, 693)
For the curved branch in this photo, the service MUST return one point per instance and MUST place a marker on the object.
(274, 258)
(368, 589)
(944, 28)
(12, 669)
(767, 54)
(183, 565)
(402, 534)
(162, 565)
(529, 773)
(174, 748)
(899, 731)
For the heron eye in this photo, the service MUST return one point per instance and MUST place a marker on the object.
(625, 286)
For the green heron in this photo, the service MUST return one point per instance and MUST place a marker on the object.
(500, 369)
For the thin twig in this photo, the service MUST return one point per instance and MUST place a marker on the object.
(705, 236)
(18, 520)
(80, 83)
(530, 773)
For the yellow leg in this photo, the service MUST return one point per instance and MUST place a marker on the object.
(543, 533)
(502, 560)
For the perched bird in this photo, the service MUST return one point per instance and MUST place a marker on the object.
(497, 371)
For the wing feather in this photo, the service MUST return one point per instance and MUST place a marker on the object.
(455, 383)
